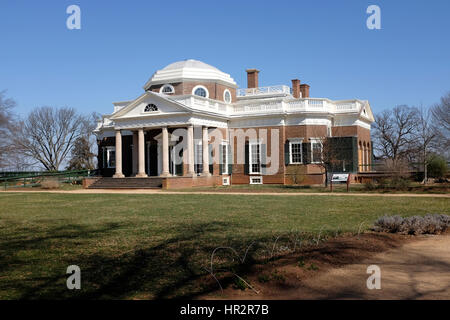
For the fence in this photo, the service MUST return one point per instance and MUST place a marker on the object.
(34, 178)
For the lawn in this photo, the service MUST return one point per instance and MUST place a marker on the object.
(415, 188)
(157, 246)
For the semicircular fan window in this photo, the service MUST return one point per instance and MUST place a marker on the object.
(150, 108)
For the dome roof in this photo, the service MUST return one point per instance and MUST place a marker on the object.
(186, 70)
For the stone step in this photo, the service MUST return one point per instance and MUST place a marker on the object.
(127, 183)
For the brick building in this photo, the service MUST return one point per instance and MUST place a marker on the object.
(193, 126)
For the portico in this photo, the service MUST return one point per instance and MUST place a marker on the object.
(169, 152)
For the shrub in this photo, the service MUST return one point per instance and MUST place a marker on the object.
(437, 167)
(370, 185)
(49, 183)
(399, 183)
(429, 224)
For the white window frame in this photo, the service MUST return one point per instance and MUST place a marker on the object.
(106, 159)
(253, 178)
(224, 154)
(250, 156)
(200, 87)
(165, 86)
(295, 141)
(198, 154)
(316, 141)
(224, 95)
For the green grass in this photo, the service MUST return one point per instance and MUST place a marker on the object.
(157, 246)
(415, 188)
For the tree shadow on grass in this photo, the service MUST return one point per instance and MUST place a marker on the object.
(168, 269)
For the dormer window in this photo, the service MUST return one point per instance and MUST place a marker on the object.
(200, 91)
(167, 89)
(150, 108)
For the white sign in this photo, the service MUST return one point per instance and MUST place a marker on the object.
(341, 177)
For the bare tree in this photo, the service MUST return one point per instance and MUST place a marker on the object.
(425, 136)
(7, 119)
(441, 122)
(395, 132)
(48, 135)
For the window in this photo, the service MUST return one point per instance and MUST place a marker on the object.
(109, 157)
(198, 158)
(200, 91)
(224, 159)
(227, 96)
(256, 180)
(150, 108)
(295, 151)
(167, 89)
(316, 154)
(255, 158)
(226, 181)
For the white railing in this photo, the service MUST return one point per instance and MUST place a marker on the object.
(255, 107)
(272, 90)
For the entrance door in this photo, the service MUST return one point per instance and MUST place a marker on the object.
(175, 160)
(151, 167)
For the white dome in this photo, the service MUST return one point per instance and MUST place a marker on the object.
(189, 69)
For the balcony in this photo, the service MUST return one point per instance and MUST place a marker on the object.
(280, 90)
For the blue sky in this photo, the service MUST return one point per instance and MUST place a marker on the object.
(323, 43)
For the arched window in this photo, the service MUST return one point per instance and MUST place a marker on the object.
(200, 91)
(167, 89)
(227, 96)
(150, 108)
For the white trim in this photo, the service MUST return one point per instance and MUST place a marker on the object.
(315, 141)
(224, 99)
(165, 86)
(296, 141)
(252, 180)
(200, 87)
(108, 149)
(250, 157)
(224, 165)
(226, 181)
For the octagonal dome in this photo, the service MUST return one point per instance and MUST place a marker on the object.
(189, 70)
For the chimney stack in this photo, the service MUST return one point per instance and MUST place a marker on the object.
(304, 89)
(296, 88)
(252, 78)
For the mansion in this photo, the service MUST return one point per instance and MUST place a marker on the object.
(193, 126)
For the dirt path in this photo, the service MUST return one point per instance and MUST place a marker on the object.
(418, 269)
(156, 191)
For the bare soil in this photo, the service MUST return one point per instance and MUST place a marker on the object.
(412, 267)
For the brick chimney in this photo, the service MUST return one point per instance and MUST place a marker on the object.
(304, 89)
(252, 78)
(296, 88)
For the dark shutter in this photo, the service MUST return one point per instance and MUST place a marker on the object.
(263, 150)
(221, 159)
(230, 160)
(247, 159)
(286, 153)
(211, 166)
(306, 150)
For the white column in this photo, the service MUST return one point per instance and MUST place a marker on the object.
(135, 153)
(118, 173)
(205, 152)
(141, 173)
(165, 152)
(191, 150)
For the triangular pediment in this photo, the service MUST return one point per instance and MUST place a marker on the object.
(366, 111)
(150, 104)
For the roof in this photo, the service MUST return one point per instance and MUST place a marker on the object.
(189, 70)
